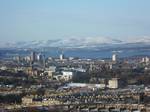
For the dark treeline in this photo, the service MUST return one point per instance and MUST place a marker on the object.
(126, 76)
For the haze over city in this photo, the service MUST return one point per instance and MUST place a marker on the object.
(54, 19)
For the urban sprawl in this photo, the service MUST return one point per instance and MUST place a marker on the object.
(35, 83)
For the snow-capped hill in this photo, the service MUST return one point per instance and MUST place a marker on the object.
(86, 42)
(144, 40)
(76, 42)
(70, 42)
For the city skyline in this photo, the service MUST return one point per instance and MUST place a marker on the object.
(48, 20)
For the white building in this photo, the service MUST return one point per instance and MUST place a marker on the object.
(49, 73)
(145, 60)
(114, 57)
(67, 75)
(147, 88)
(3, 68)
(61, 57)
(69, 85)
(113, 83)
(39, 57)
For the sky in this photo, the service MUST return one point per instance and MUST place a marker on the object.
(25, 20)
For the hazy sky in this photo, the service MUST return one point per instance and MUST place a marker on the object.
(51, 19)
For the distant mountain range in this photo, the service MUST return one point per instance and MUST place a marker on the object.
(82, 43)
